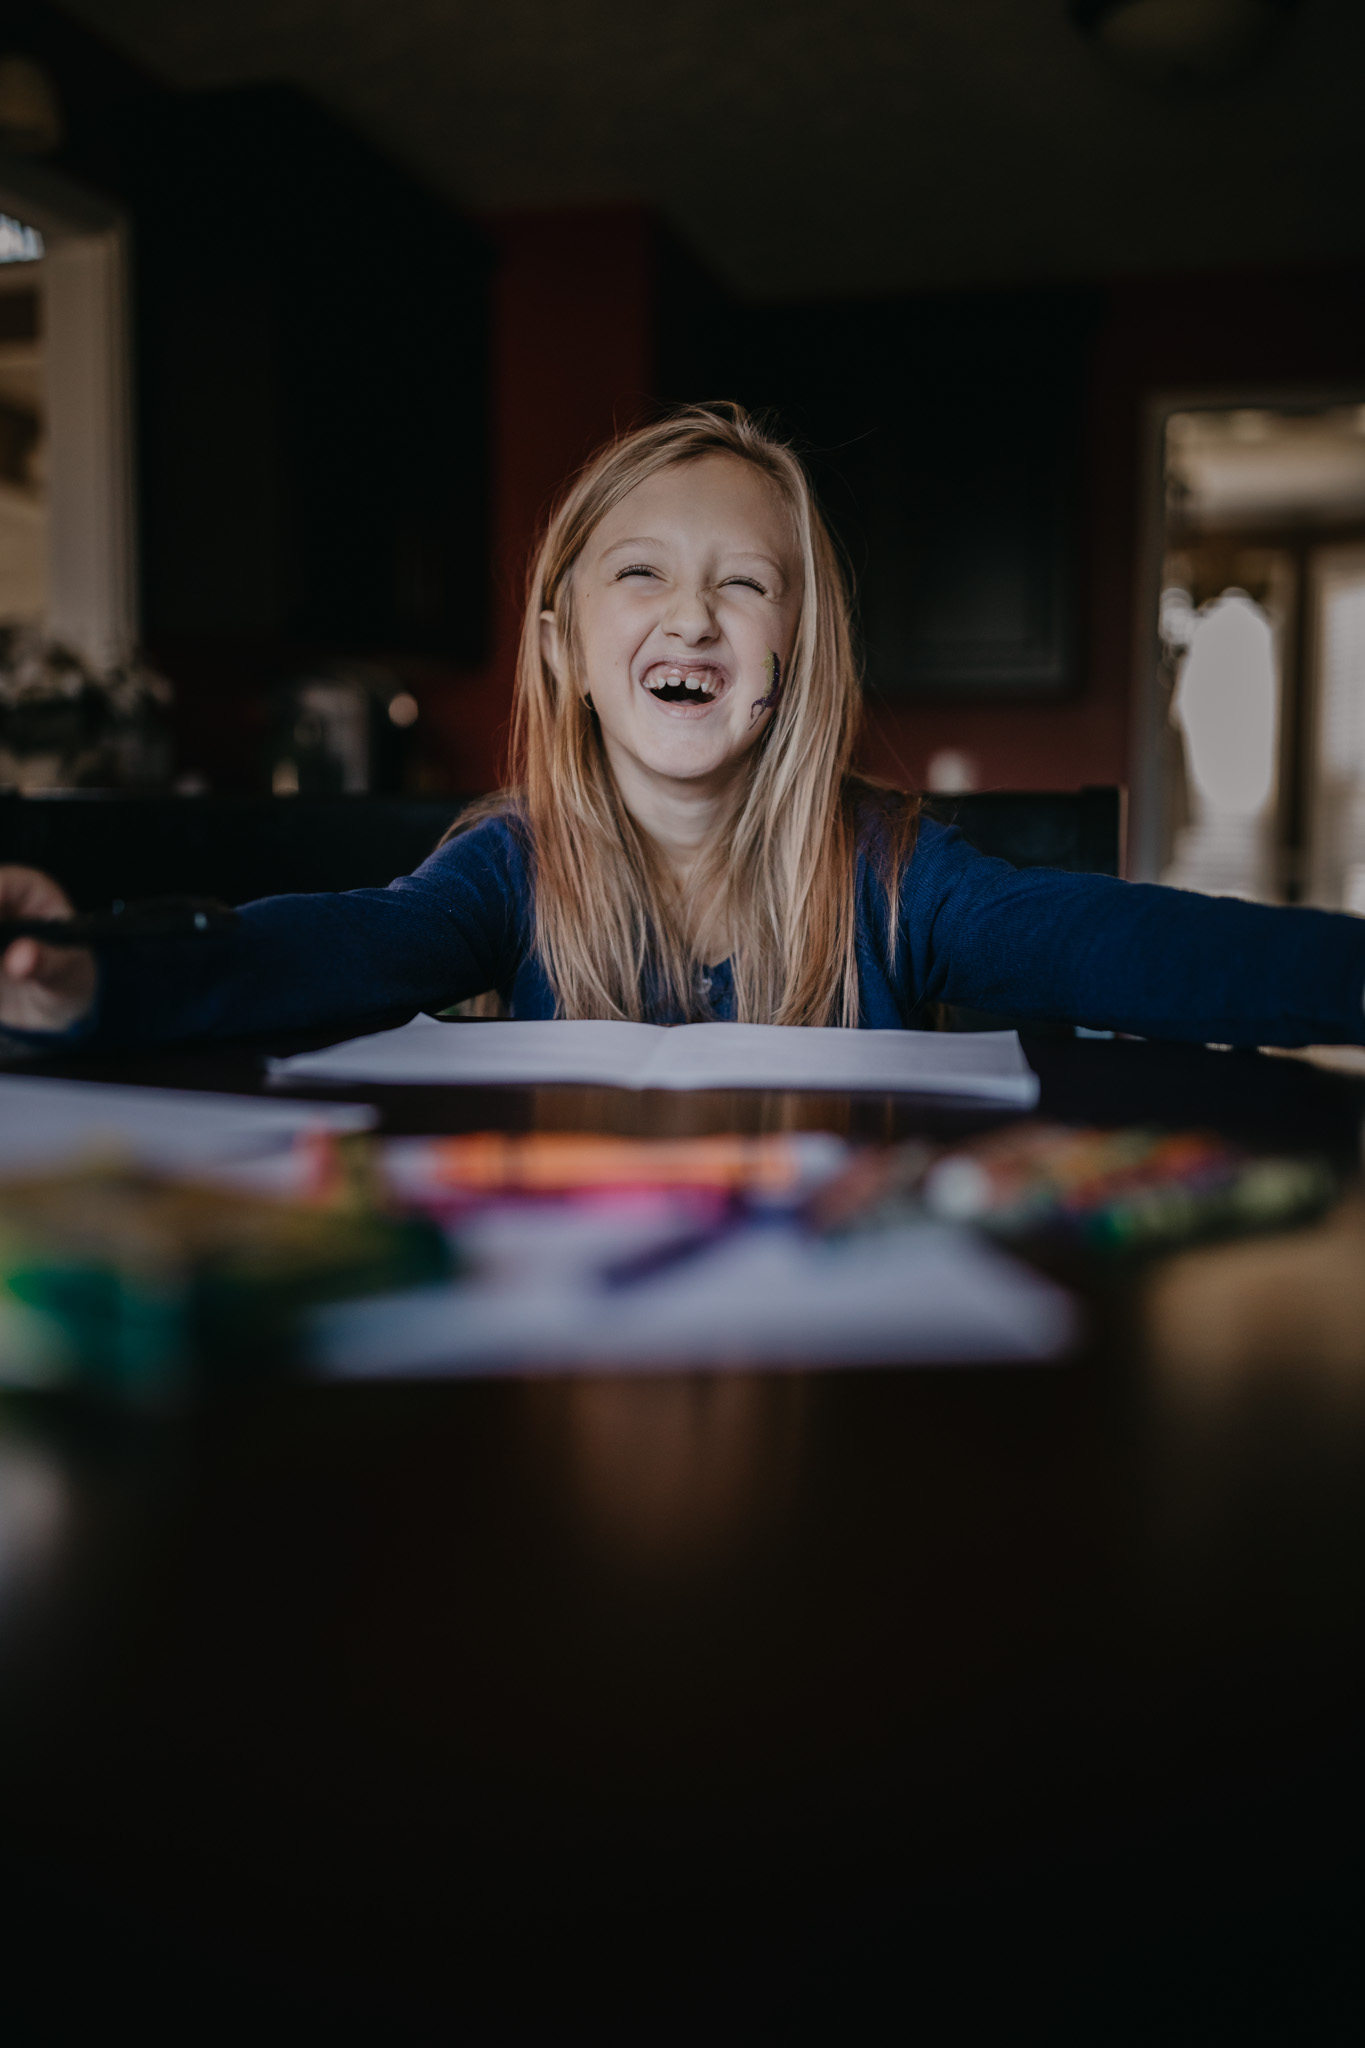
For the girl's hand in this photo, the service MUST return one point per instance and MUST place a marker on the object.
(42, 988)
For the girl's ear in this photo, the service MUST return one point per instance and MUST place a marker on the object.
(551, 647)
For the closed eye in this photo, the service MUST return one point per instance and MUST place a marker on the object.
(746, 583)
(634, 569)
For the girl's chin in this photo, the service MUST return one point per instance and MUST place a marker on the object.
(691, 764)
(682, 749)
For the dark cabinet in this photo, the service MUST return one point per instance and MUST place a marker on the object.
(965, 498)
(944, 434)
(310, 332)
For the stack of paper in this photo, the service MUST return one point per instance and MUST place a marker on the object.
(983, 1066)
(47, 1123)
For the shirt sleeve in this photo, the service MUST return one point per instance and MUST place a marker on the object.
(455, 928)
(1039, 944)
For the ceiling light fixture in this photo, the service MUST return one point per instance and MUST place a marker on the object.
(1167, 40)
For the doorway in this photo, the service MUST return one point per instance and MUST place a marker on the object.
(23, 450)
(1250, 762)
(67, 555)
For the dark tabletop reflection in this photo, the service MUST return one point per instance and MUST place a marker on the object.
(672, 1470)
(671, 1701)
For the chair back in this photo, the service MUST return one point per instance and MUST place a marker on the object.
(106, 848)
(1078, 829)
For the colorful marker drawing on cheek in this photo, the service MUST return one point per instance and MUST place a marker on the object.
(772, 670)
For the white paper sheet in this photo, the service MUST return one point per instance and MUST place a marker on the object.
(47, 1123)
(917, 1294)
(986, 1066)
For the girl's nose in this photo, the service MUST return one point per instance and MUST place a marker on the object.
(690, 617)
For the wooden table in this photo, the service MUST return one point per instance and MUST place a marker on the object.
(830, 1707)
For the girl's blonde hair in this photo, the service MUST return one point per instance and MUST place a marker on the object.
(613, 932)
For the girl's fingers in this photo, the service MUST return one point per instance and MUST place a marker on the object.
(27, 892)
(56, 967)
(45, 988)
(21, 960)
(49, 966)
(42, 988)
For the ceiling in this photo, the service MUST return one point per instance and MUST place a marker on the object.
(809, 149)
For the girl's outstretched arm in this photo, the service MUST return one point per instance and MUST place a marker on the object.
(1084, 949)
(451, 930)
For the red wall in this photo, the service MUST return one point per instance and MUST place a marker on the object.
(574, 359)
(573, 341)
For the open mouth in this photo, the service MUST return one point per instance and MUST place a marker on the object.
(684, 683)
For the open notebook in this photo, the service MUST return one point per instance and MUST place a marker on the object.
(984, 1066)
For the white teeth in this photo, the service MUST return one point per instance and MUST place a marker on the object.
(699, 685)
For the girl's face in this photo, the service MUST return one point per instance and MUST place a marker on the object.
(686, 599)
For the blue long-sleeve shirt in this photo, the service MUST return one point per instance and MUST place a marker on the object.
(1027, 943)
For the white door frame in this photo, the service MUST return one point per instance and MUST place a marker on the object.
(1147, 820)
(92, 566)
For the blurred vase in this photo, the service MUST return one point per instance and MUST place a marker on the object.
(62, 726)
(1226, 706)
(341, 731)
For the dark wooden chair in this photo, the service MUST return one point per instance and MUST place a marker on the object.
(1078, 829)
(105, 847)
